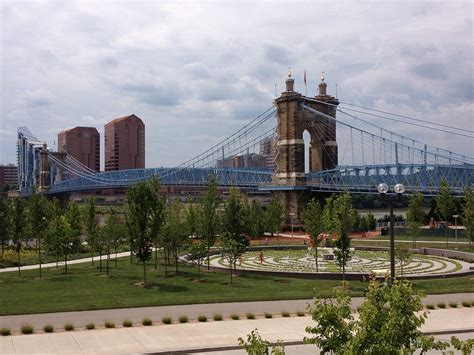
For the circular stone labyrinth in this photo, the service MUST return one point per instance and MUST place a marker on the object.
(362, 262)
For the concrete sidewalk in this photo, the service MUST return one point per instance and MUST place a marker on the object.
(192, 311)
(189, 336)
(61, 263)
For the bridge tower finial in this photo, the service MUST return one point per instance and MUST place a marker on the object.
(322, 85)
(290, 83)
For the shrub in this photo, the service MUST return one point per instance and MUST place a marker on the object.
(167, 320)
(5, 331)
(108, 324)
(48, 328)
(127, 323)
(183, 319)
(268, 315)
(147, 322)
(202, 318)
(430, 306)
(26, 329)
(250, 315)
(453, 304)
(466, 303)
(441, 305)
(234, 316)
(300, 313)
(472, 303)
(90, 326)
(217, 317)
(285, 313)
(68, 327)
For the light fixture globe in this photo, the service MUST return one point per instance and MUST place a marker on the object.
(382, 188)
(399, 188)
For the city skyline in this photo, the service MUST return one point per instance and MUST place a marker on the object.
(197, 84)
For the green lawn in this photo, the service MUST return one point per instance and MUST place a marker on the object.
(85, 288)
(419, 244)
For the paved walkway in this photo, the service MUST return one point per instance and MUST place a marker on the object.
(61, 263)
(136, 315)
(204, 336)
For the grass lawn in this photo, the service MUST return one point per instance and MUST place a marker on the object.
(85, 288)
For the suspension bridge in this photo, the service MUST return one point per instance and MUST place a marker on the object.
(347, 152)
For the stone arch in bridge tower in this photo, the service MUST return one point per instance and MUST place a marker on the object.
(289, 179)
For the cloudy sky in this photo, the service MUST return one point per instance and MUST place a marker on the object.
(196, 71)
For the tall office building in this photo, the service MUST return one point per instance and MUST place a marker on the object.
(268, 152)
(8, 175)
(83, 143)
(125, 143)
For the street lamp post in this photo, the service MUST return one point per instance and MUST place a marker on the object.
(292, 215)
(455, 216)
(39, 244)
(399, 189)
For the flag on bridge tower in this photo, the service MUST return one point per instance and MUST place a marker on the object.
(306, 88)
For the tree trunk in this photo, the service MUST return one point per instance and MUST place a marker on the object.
(65, 262)
(208, 254)
(316, 257)
(115, 257)
(446, 232)
(92, 257)
(230, 264)
(156, 256)
(100, 261)
(39, 255)
(108, 258)
(199, 268)
(18, 261)
(144, 273)
(344, 271)
(176, 260)
(3, 251)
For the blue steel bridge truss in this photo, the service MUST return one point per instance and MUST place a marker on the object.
(225, 177)
(424, 178)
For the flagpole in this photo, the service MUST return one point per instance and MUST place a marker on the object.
(305, 86)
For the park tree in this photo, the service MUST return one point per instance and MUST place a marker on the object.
(38, 217)
(232, 249)
(389, 322)
(415, 215)
(338, 220)
(157, 220)
(5, 224)
(234, 218)
(175, 233)
(274, 216)
(142, 203)
(445, 204)
(19, 226)
(74, 218)
(197, 252)
(402, 256)
(371, 222)
(62, 237)
(313, 224)
(112, 235)
(468, 214)
(209, 218)
(255, 222)
(92, 225)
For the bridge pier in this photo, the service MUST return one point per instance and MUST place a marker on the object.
(289, 180)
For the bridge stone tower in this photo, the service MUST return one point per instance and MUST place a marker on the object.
(289, 180)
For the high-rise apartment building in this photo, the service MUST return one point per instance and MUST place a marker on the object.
(125, 143)
(8, 176)
(268, 152)
(83, 143)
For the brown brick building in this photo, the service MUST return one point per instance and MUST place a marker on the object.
(83, 143)
(125, 143)
(8, 176)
